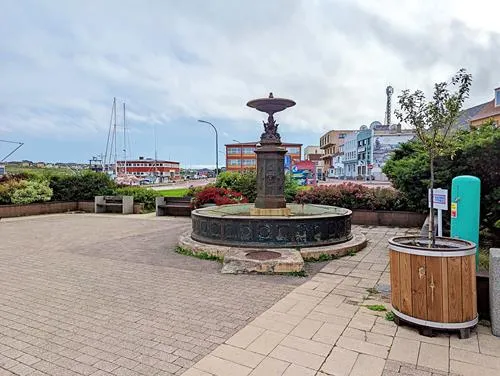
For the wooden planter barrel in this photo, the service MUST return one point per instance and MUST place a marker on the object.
(434, 288)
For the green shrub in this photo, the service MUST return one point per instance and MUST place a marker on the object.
(246, 183)
(83, 186)
(353, 196)
(141, 196)
(474, 152)
(7, 188)
(31, 191)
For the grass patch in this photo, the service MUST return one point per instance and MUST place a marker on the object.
(321, 258)
(199, 255)
(302, 273)
(376, 307)
(389, 316)
(484, 259)
(177, 192)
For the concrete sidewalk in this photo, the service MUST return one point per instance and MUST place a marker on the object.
(324, 328)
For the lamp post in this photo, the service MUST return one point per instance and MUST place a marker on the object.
(216, 146)
(241, 155)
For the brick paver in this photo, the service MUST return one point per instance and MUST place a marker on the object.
(107, 295)
(323, 328)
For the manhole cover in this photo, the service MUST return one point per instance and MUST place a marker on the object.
(263, 255)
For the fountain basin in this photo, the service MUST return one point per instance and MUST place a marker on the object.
(307, 226)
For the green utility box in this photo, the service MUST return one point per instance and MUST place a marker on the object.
(465, 200)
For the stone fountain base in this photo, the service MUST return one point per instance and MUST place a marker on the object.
(237, 260)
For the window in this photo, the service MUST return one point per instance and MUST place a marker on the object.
(497, 97)
(249, 162)
(248, 151)
(293, 150)
(233, 150)
(234, 162)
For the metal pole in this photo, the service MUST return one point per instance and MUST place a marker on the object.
(440, 222)
(216, 146)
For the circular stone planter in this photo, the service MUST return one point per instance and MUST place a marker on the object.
(307, 226)
(434, 288)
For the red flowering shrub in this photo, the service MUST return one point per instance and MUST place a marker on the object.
(354, 196)
(217, 196)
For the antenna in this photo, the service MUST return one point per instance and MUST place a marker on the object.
(389, 91)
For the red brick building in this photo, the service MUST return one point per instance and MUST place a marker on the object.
(144, 167)
(241, 156)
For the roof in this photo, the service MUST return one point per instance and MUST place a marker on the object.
(489, 109)
(465, 116)
(147, 161)
(255, 143)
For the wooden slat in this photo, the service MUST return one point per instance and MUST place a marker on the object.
(468, 288)
(405, 282)
(395, 286)
(434, 288)
(444, 281)
(419, 287)
(455, 289)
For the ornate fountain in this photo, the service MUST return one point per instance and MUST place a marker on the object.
(270, 199)
(278, 232)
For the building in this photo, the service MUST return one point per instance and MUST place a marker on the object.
(364, 139)
(386, 139)
(148, 167)
(330, 143)
(489, 111)
(314, 154)
(242, 157)
(350, 155)
(337, 168)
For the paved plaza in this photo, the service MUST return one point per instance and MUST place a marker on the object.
(107, 295)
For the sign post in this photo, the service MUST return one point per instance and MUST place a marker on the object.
(440, 198)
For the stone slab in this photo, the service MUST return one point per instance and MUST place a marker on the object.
(495, 291)
(241, 260)
(357, 243)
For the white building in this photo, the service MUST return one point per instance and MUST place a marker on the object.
(350, 157)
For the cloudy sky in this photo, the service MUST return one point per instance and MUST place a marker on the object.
(173, 62)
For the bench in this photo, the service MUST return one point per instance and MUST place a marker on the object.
(176, 206)
(114, 204)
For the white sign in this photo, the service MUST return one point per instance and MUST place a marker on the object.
(440, 198)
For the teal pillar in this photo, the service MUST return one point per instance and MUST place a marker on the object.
(465, 200)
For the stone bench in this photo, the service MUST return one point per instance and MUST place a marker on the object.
(114, 204)
(175, 206)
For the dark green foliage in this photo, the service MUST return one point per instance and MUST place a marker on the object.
(81, 187)
(141, 196)
(475, 152)
(246, 183)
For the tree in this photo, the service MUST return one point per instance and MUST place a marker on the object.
(433, 120)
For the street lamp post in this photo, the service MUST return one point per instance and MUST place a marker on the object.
(216, 146)
(241, 156)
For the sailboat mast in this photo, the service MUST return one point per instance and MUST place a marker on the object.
(124, 141)
(114, 138)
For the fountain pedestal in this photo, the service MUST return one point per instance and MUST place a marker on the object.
(270, 199)
(270, 181)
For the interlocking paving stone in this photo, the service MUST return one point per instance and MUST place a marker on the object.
(107, 295)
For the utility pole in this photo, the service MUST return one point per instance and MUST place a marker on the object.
(216, 146)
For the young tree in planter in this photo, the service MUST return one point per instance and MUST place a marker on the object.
(433, 120)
